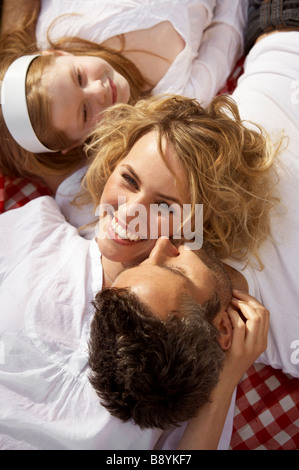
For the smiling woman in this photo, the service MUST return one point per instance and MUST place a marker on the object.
(170, 150)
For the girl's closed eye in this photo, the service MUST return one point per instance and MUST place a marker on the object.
(79, 77)
(85, 116)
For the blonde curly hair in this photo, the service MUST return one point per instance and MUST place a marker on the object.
(230, 167)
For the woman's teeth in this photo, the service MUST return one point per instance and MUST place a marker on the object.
(122, 233)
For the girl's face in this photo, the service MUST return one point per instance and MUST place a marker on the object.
(129, 219)
(81, 89)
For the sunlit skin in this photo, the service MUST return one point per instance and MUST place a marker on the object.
(141, 178)
(81, 89)
(173, 268)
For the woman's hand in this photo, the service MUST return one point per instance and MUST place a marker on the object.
(250, 321)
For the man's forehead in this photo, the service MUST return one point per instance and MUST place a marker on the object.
(145, 273)
(156, 286)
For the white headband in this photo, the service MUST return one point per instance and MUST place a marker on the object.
(14, 106)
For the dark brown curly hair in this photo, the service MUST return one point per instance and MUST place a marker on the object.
(156, 372)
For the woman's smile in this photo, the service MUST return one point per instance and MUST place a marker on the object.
(120, 233)
(137, 202)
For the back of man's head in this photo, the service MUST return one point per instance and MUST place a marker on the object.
(156, 372)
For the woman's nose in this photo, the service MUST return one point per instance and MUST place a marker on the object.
(163, 250)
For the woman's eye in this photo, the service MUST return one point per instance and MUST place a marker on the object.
(128, 179)
(164, 205)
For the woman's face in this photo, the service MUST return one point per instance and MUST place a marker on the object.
(81, 89)
(141, 201)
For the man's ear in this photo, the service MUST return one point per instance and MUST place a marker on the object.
(225, 328)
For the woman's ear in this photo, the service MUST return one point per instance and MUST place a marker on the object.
(225, 328)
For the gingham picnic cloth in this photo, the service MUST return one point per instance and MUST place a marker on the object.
(16, 192)
(266, 411)
(267, 401)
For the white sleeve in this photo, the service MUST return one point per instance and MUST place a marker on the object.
(81, 217)
(221, 46)
(22, 230)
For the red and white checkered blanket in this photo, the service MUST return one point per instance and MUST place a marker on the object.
(266, 411)
(16, 192)
(267, 401)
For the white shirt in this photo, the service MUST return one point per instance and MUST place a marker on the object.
(212, 31)
(268, 94)
(48, 277)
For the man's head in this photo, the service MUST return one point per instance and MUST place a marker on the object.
(158, 335)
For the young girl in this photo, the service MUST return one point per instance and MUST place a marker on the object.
(125, 50)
